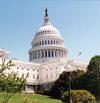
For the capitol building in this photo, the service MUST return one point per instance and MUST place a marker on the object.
(47, 58)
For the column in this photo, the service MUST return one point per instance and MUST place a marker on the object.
(54, 53)
(40, 54)
(57, 53)
(50, 53)
(47, 53)
(44, 52)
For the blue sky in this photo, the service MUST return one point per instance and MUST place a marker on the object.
(77, 20)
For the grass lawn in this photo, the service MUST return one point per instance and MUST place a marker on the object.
(18, 98)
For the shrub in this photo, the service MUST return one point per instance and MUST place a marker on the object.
(79, 96)
(44, 92)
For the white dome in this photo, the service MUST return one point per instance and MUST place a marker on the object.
(48, 30)
(48, 44)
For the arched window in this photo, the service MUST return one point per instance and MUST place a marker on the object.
(42, 42)
(45, 53)
(52, 54)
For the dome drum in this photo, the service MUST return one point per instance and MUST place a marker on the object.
(47, 54)
(46, 42)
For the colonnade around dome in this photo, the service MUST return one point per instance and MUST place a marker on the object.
(49, 53)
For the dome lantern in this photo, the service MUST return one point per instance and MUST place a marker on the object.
(46, 18)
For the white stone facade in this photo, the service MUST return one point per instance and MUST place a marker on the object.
(47, 57)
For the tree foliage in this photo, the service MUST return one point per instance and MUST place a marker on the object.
(93, 75)
(89, 80)
(79, 96)
(10, 83)
(61, 85)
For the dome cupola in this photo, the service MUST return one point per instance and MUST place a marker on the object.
(47, 28)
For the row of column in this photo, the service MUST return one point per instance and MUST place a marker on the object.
(47, 53)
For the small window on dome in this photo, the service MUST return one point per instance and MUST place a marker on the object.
(45, 53)
(51, 41)
(49, 53)
(48, 31)
(42, 42)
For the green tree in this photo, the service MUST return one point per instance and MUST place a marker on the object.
(91, 79)
(93, 75)
(61, 85)
(9, 83)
